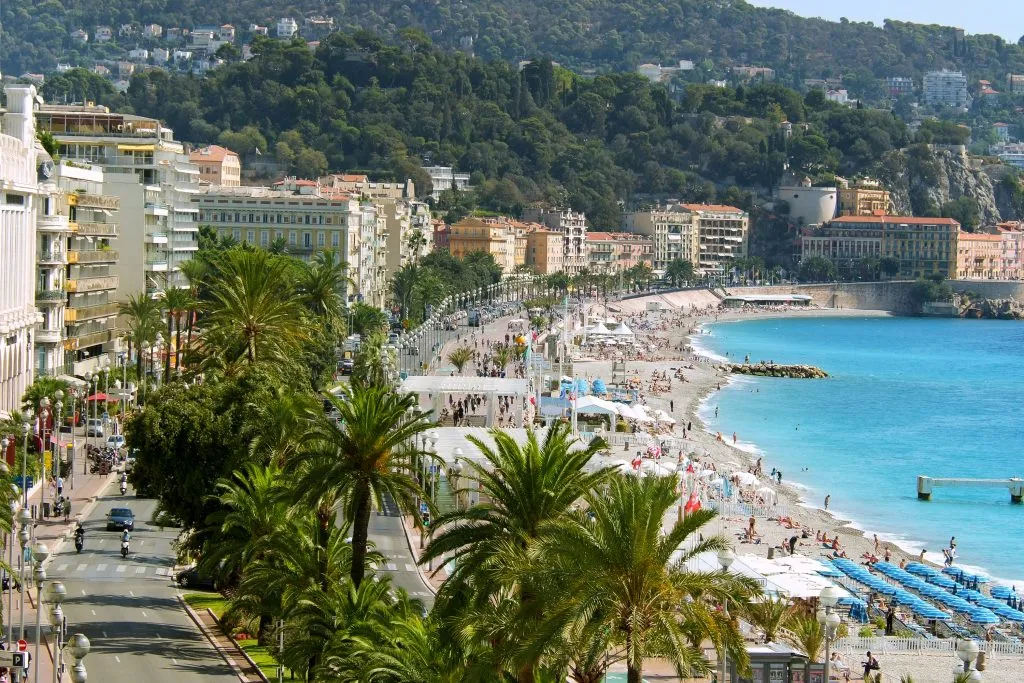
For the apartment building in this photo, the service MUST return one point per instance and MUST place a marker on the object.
(899, 86)
(287, 27)
(22, 165)
(1015, 83)
(495, 236)
(572, 226)
(545, 251)
(361, 186)
(979, 256)
(217, 166)
(923, 246)
(261, 215)
(672, 233)
(408, 233)
(154, 181)
(445, 178)
(612, 252)
(945, 88)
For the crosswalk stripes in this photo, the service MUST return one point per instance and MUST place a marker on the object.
(140, 570)
(66, 569)
(62, 567)
(410, 567)
(391, 567)
(81, 568)
(121, 569)
(100, 567)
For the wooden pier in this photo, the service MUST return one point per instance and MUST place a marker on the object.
(925, 485)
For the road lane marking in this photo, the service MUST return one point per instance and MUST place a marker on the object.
(81, 567)
(174, 661)
(140, 570)
(391, 567)
(117, 659)
(159, 637)
(83, 591)
(122, 568)
(144, 613)
(131, 593)
(104, 633)
(62, 567)
(100, 567)
(93, 612)
(410, 567)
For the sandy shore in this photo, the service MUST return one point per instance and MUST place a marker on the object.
(702, 377)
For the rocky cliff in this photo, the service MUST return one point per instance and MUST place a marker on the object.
(998, 309)
(922, 178)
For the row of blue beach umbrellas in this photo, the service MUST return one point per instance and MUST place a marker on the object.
(899, 595)
(978, 607)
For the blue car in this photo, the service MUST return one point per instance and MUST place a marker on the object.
(119, 519)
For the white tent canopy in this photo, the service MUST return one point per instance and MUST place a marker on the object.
(591, 405)
(599, 328)
(623, 330)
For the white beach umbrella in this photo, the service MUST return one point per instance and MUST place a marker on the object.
(662, 416)
(704, 474)
(745, 478)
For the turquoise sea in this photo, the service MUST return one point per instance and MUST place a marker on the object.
(907, 396)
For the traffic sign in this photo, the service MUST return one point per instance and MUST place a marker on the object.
(14, 660)
(22, 645)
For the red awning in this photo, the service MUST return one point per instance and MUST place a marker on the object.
(102, 397)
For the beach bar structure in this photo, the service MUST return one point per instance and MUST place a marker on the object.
(925, 485)
(739, 301)
(433, 389)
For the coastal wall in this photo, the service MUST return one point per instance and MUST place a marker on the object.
(878, 296)
(991, 289)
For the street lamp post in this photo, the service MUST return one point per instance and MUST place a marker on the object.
(85, 399)
(78, 648)
(74, 420)
(25, 428)
(10, 573)
(59, 405)
(44, 417)
(726, 557)
(967, 651)
(39, 554)
(55, 594)
(829, 621)
(25, 518)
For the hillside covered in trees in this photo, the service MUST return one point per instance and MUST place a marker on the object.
(362, 103)
(605, 35)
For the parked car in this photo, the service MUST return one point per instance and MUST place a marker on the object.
(393, 338)
(115, 441)
(345, 366)
(191, 577)
(94, 427)
(119, 519)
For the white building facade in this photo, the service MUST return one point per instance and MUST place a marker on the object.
(946, 88)
(22, 164)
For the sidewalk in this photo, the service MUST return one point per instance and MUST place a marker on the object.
(53, 532)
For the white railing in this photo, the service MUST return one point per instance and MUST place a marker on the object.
(740, 509)
(886, 644)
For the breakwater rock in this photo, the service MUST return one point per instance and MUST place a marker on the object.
(772, 370)
(997, 309)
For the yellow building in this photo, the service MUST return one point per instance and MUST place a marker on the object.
(545, 251)
(495, 236)
(864, 200)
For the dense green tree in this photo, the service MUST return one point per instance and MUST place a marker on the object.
(817, 269)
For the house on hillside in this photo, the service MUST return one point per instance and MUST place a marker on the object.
(152, 31)
(104, 34)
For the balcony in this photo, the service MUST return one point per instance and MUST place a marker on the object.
(86, 340)
(155, 209)
(156, 238)
(93, 256)
(50, 258)
(156, 265)
(46, 336)
(97, 229)
(51, 297)
(96, 201)
(77, 315)
(92, 284)
(52, 223)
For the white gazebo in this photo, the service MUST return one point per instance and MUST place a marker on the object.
(432, 389)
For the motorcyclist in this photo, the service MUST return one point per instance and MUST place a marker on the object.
(125, 538)
(79, 537)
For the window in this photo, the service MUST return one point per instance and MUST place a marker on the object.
(264, 238)
(237, 234)
(335, 239)
(250, 237)
(307, 240)
(292, 237)
(321, 239)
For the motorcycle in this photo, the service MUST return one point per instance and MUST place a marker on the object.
(124, 548)
(124, 488)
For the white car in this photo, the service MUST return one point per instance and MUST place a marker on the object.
(94, 427)
(115, 441)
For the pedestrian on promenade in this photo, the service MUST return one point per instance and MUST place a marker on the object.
(67, 510)
(60, 485)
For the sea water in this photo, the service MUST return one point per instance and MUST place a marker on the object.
(906, 397)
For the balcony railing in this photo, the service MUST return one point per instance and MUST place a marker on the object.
(94, 256)
(86, 340)
(51, 257)
(157, 238)
(51, 296)
(92, 284)
(45, 336)
(97, 229)
(97, 201)
(157, 265)
(52, 223)
(75, 315)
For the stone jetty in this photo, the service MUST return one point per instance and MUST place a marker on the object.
(763, 369)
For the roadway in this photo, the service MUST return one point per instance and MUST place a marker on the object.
(128, 608)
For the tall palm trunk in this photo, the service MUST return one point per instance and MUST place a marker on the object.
(167, 350)
(634, 670)
(138, 363)
(360, 534)
(177, 342)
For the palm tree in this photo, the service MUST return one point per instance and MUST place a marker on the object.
(252, 313)
(679, 272)
(633, 578)
(323, 286)
(143, 320)
(195, 271)
(527, 488)
(771, 616)
(175, 302)
(807, 635)
(460, 356)
(368, 457)
(368, 320)
(284, 422)
(404, 649)
(403, 288)
(503, 355)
